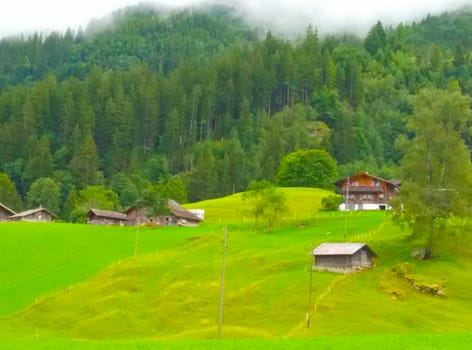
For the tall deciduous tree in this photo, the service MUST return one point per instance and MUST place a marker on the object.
(307, 168)
(97, 197)
(44, 192)
(265, 202)
(436, 168)
(8, 194)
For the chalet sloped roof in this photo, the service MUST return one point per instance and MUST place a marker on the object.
(31, 212)
(181, 212)
(340, 249)
(395, 183)
(7, 209)
(109, 214)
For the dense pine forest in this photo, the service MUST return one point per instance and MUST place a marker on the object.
(195, 104)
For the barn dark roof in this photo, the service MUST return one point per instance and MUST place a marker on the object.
(340, 249)
(109, 214)
(31, 212)
(7, 209)
(181, 212)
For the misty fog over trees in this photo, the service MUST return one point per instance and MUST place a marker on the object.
(197, 104)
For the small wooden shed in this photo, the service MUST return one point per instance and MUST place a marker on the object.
(5, 212)
(36, 215)
(106, 217)
(342, 257)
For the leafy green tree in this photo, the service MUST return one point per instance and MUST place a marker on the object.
(265, 202)
(307, 168)
(8, 194)
(125, 189)
(15, 171)
(156, 169)
(44, 192)
(332, 202)
(174, 189)
(153, 201)
(92, 197)
(436, 168)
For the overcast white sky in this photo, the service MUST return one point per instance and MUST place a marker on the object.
(19, 16)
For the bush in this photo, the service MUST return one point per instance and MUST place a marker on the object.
(332, 202)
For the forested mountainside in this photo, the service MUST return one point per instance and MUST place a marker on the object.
(196, 103)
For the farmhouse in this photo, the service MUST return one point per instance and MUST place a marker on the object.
(342, 257)
(106, 217)
(364, 191)
(178, 216)
(36, 215)
(139, 216)
(5, 212)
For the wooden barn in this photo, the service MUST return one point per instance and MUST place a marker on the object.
(106, 217)
(342, 257)
(139, 216)
(178, 216)
(34, 215)
(364, 191)
(5, 213)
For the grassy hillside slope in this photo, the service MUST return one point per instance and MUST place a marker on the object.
(303, 203)
(37, 258)
(170, 290)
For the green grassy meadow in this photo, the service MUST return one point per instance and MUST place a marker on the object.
(80, 286)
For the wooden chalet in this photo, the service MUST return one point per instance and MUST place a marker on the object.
(342, 257)
(106, 217)
(5, 212)
(34, 215)
(177, 216)
(364, 191)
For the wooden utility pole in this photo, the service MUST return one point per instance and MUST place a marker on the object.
(308, 313)
(346, 208)
(136, 242)
(222, 288)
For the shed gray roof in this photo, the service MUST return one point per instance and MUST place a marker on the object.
(109, 214)
(340, 249)
(31, 212)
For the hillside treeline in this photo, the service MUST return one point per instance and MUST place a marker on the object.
(200, 99)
